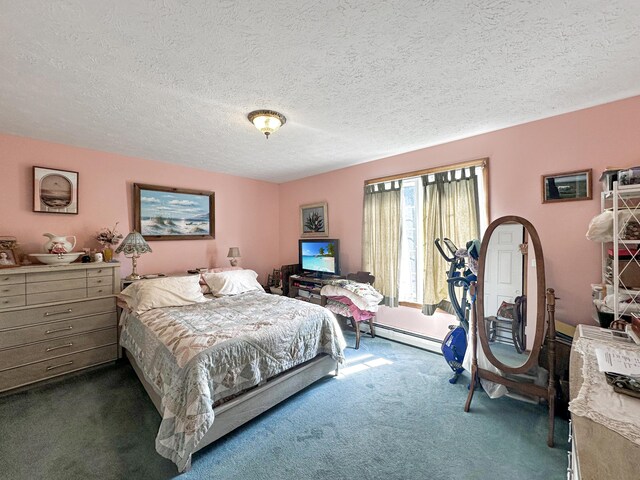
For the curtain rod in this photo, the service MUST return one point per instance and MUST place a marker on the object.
(481, 162)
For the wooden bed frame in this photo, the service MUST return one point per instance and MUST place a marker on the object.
(238, 411)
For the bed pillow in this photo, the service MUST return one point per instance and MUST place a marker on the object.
(203, 284)
(232, 282)
(144, 295)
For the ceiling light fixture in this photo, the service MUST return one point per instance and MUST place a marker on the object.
(267, 121)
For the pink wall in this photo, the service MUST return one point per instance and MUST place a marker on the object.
(594, 138)
(243, 206)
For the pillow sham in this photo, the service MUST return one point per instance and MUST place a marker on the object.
(232, 282)
(203, 285)
(144, 295)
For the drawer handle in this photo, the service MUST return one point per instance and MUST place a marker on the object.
(52, 367)
(48, 314)
(66, 345)
(59, 330)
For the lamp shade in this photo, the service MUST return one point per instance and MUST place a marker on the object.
(234, 252)
(134, 244)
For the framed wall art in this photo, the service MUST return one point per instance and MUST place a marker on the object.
(8, 258)
(314, 220)
(567, 186)
(55, 191)
(167, 213)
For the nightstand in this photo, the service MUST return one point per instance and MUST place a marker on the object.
(125, 282)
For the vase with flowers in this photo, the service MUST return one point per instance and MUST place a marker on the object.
(108, 238)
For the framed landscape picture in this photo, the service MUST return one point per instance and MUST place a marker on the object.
(314, 220)
(567, 186)
(55, 191)
(167, 213)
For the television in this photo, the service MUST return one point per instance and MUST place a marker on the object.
(319, 256)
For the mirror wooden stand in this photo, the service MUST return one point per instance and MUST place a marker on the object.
(506, 260)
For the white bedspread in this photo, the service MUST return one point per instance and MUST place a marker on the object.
(197, 354)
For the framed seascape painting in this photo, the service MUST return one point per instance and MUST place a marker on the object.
(567, 186)
(314, 220)
(167, 213)
(55, 191)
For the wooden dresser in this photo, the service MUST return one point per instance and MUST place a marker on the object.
(55, 320)
(598, 452)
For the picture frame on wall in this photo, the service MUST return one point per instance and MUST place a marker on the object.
(8, 258)
(314, 220)
(55, 191)
(567, 186)
(168, 213)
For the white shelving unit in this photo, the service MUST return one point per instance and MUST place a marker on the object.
(624, 201)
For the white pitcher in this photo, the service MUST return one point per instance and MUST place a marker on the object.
(59, 243)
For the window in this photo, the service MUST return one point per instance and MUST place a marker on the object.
(404, 214)
(411, 254)
(413, 244)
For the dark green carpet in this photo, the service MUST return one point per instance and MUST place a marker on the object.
(398, 420)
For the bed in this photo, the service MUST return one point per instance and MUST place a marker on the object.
(229, 358)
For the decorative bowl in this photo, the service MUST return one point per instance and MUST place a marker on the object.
(56, 258)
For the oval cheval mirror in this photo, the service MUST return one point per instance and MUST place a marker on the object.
(510, 313)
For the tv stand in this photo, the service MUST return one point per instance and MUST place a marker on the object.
(307, 288)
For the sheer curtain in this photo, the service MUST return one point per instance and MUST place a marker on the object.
(451, 210)
(382, 229)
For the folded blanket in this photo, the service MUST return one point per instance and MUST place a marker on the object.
(345, 307)
(363, 295)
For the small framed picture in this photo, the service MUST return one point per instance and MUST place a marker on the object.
(567, 186)
(314, 220)
(55, 191)
(8, 258)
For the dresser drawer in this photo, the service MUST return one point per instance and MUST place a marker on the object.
(37, 352)
(11, 279)
(53, 276)
(56, 286)
(17, 301)
(75, 294)
(99, 291)
(52, 313)
(99, 272)
(11, 290)
(46, 331)
(17, 377)
(100, 282)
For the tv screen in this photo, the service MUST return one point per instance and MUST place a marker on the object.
(319, 256)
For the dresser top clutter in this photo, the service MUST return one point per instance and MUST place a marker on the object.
(605, 424)
(56, 319)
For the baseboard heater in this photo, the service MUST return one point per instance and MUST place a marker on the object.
(410, 338)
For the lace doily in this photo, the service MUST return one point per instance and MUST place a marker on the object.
(596, 399)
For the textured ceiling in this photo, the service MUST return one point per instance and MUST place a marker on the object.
(357, 80)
